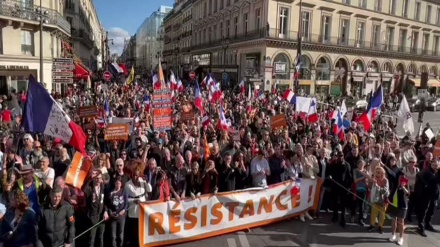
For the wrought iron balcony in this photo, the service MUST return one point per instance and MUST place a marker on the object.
(83, 37)
(26, 11)
(318, 39)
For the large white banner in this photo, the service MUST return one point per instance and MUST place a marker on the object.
(165, 223)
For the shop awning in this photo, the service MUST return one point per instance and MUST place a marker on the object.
(124, 68)
(81, 71)
(415, 81)
(433, 83)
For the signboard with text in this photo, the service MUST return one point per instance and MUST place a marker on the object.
(62, 70)
(162, 110)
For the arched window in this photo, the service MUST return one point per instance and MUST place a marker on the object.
(412, 69)
(387, 67)
(358, 65)
(423, 69)
(323, 69)
(433, 71)
(400, 68)
(281, 66)
(305, 71)
(373, 66)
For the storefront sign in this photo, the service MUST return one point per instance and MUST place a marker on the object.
(13, 67)
(202, 59)
(280, 68)
(357, 74)
(373, 74)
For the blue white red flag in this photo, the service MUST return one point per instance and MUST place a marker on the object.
(373, 110)
(44, 115)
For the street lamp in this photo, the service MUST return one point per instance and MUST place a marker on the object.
(225, 45)
(42, 17)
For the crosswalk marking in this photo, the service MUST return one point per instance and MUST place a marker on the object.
(231, 242)
(243, 239)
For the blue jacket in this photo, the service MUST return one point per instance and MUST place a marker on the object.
(26, 232)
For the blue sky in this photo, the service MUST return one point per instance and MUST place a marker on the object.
(122, 18)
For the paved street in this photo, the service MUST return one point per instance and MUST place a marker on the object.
(433, 118)
(316, 233)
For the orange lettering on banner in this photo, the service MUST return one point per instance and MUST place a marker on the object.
(173, 220)
(216, 212)
(204, 216)
(295, 200)
(191, 219)
(155, 222)
(248, 208)
(266, 205)
(231, 207)
(278, 203)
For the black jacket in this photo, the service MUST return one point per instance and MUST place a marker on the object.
(427, 184)
(57, 225)
(341, 174)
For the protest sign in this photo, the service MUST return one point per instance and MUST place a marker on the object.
(167, 223)
(88, 111)
(117, 132)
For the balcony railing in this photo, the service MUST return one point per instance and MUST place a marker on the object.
(26, 11)
(318, 39)
(83, 37)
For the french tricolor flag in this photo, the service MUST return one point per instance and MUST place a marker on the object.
(242, 87)
(43, 114)
(156, 82)
(373, 109)
(338, 128)
(312, 115)
(198, 101)
(223, 122)
(289, 96)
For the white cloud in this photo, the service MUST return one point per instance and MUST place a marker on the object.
(118, 35)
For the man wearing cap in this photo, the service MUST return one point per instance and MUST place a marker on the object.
(35, 189)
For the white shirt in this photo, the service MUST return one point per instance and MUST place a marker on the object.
(257, 166)
(134, 193)
(48, 176)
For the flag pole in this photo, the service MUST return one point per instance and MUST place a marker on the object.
(299, 48)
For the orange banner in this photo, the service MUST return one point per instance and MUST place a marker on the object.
(78, 170)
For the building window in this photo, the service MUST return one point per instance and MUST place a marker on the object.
(402, 39)
(306, 18)
(344, 31)
(1, 41)
(428, 14)
(405, 8)
(363, 3)
(435, 45)
(221, 30)
(205, 9)
(387, 67)
(257, 19)
(246, 24)
(210, 7)
(228, 28)
(378, 5)
(360, 34)
(221, 4)
(437, 19)
(325, 28)
(209, 34)
(305, 72)
(414, 41)
(392, 7)
(214, 32)
(417, 11)
(228, 3)
(346, 1)
(390, 38)
(215, 6)
(323, 69)
(236, 26)
(284, 22)
(426, 37)
(27, 42)
(376, 36)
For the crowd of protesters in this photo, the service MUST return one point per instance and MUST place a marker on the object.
(364, 174)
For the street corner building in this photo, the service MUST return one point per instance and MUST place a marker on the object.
(34, 34)
(348, 47)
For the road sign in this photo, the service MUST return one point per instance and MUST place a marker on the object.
(107, 76)
(62, 70)
(192, 75)
(225, 76)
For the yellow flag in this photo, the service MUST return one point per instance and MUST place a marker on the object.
(130, 78)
